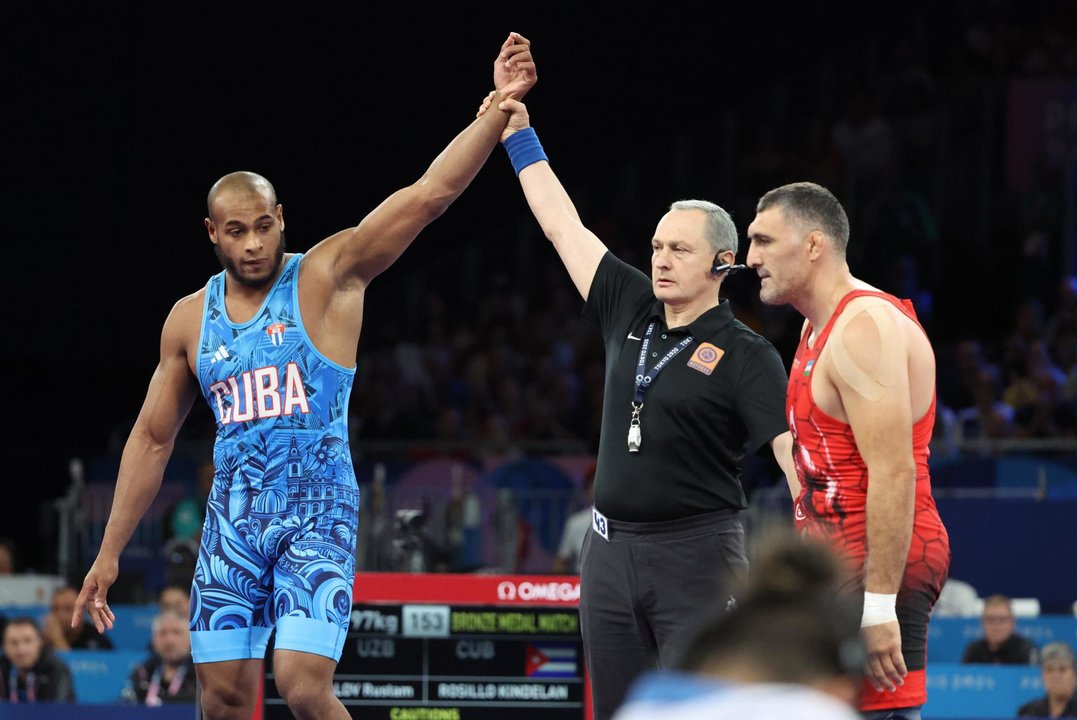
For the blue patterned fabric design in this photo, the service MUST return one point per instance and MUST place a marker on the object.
(280, 530)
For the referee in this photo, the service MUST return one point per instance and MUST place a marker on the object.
(689, 392)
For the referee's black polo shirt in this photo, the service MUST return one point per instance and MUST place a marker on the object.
(696, 427)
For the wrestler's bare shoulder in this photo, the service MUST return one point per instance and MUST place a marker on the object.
(859, 305)
(185, 318)
(864, 302)
(867, 320)
(870, 316)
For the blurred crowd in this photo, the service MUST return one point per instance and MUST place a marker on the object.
(36, 653)
(905, 129)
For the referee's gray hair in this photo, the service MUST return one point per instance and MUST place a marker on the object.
(720, 231)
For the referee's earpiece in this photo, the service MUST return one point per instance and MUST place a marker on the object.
(721, 267)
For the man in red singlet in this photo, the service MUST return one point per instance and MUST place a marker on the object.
(861, 408)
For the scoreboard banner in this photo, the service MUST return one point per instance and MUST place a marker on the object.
(459, 647)
(476, 589)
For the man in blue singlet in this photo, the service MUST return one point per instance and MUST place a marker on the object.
(271, 344)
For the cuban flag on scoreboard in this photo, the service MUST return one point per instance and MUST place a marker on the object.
(551, 661)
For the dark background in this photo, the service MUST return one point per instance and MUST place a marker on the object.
(121, 115)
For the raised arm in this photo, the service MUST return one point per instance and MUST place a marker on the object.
(359, 254)
(171, 393)
(579, 249)
(869, 368)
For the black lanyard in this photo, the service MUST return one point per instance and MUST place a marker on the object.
(645, 378)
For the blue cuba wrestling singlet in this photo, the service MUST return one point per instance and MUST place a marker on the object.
(278, 544)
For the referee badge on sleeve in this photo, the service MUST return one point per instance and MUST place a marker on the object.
(705, 358)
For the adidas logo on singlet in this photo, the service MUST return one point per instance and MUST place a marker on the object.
(221, 354)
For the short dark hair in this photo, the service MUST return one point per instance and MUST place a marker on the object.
(791, 622)
(811, 204)
(23, 620)
(13, 552)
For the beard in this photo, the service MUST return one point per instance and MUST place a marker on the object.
(768, 297)
(775, 295)
(255, 283)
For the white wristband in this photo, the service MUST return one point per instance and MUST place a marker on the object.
(879, 608)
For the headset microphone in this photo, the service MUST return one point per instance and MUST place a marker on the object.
(727, 268)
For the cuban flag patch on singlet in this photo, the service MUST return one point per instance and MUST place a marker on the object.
(276, 333)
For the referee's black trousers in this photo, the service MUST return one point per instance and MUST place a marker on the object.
(644, 587)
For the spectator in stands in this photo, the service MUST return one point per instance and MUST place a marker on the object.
(180, 555)
(944, 437)
(1034, 394)
(168, 676)
(1061, 328)
(374, 551)
(513, 532)
(57, 629)
(1059, 684)
(576, 527)
(1000, 645)
(7, 567)
(7, 556)
(788, 646)
(29, 670)
(176, 598)
(988, 417)
(961, 374)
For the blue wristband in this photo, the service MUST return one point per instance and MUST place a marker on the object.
(524, 149)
